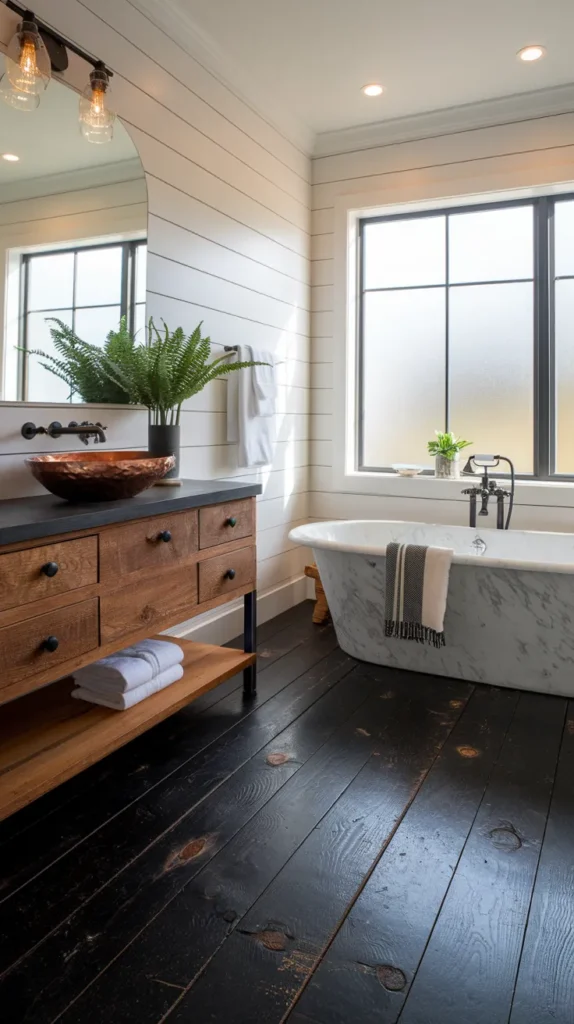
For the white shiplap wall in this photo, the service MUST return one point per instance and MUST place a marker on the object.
(229, 241)
(529, 152)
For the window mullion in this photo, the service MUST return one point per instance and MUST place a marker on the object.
(543, 446)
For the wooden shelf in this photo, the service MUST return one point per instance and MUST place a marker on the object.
(48, 736)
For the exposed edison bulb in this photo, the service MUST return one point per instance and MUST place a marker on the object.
(96, 117)
(28, 68)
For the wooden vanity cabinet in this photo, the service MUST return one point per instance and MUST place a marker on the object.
(73, 598)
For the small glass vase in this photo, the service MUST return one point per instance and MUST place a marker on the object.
(447, 469)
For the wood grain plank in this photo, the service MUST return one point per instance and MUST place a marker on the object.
(224, 574)
(138, 545)
(153, 605)
(544, 991)
(160, 846)
(374, 957)
(22, 654)
(215, 522)
(469, 968)
(23, 581)
(275, 944)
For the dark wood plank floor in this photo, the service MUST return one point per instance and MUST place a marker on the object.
(356, 845)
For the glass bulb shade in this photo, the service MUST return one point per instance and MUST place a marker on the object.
(96, 116)
(28, 65)
(25, 101)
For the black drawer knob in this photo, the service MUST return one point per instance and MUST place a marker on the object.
(230, 574)
(51, 644)
(50, 568)
(165, 536)
(232, 521)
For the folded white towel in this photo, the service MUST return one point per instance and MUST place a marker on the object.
(122, 701)
(132, 667)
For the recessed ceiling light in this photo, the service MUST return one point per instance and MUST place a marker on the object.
(372, 90)
(529, 53)
(10, 157)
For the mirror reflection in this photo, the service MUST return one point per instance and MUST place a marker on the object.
(73, 222)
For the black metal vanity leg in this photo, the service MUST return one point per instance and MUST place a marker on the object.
(250, 641)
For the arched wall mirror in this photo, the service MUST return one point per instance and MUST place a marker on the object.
(73, 227)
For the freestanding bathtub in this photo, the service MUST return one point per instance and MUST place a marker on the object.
(510, 609)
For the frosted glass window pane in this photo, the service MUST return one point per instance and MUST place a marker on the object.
(564, 238)
(564, 333)
(98, 276)
(43, 386)
(491, 245)
(141, 273)
(140, 323)
(51, 281)
(403, 375)
(93, 325)
(400, 253)
(491, 369)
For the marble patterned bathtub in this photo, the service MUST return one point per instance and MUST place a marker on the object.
(510, 610)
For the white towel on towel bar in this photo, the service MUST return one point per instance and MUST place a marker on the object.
(123, 701)
(132, 667)
(253, 431)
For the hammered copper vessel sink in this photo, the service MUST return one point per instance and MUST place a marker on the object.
(98, 475)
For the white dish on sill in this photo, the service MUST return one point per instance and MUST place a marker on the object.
(406, 469)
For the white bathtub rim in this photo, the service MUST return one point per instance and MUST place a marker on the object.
(310, 536)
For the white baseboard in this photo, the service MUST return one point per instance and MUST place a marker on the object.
(222, 624)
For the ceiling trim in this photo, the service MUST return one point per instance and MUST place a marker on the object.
(466, 117)
(179, 25)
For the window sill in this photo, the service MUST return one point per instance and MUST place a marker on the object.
(429, 488)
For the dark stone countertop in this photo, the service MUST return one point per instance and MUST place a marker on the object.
(23, 519)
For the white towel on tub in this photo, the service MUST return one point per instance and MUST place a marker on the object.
(123, 701)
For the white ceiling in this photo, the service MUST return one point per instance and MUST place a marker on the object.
(313, 56)
(48, 140)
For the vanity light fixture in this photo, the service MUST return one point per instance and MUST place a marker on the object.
(374, 89)
(10, 157)
(96, 116)
(530, 53)
(28, 69)
(33, 54)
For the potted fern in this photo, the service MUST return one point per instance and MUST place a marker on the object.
(446, 450)
(162, 375)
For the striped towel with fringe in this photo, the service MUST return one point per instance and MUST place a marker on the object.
(417, 588)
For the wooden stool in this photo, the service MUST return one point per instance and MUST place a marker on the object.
(321, 611)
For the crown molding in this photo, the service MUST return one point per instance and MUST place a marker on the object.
(469, 116)
(72, 181)
(180, 26)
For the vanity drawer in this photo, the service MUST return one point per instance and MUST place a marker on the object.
(24, 648)
(155, 543)
(219, 524)
(226, 573)
(153, 604)
(39, 573)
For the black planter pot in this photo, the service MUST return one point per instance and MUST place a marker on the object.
(164, 440)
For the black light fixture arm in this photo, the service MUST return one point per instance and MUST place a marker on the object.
(57, 52)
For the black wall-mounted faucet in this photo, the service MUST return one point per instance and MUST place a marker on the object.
(83, 430)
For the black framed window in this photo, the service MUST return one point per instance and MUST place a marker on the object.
(466, 323)
(89, 288)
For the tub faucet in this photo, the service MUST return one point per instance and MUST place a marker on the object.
(489, 489)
